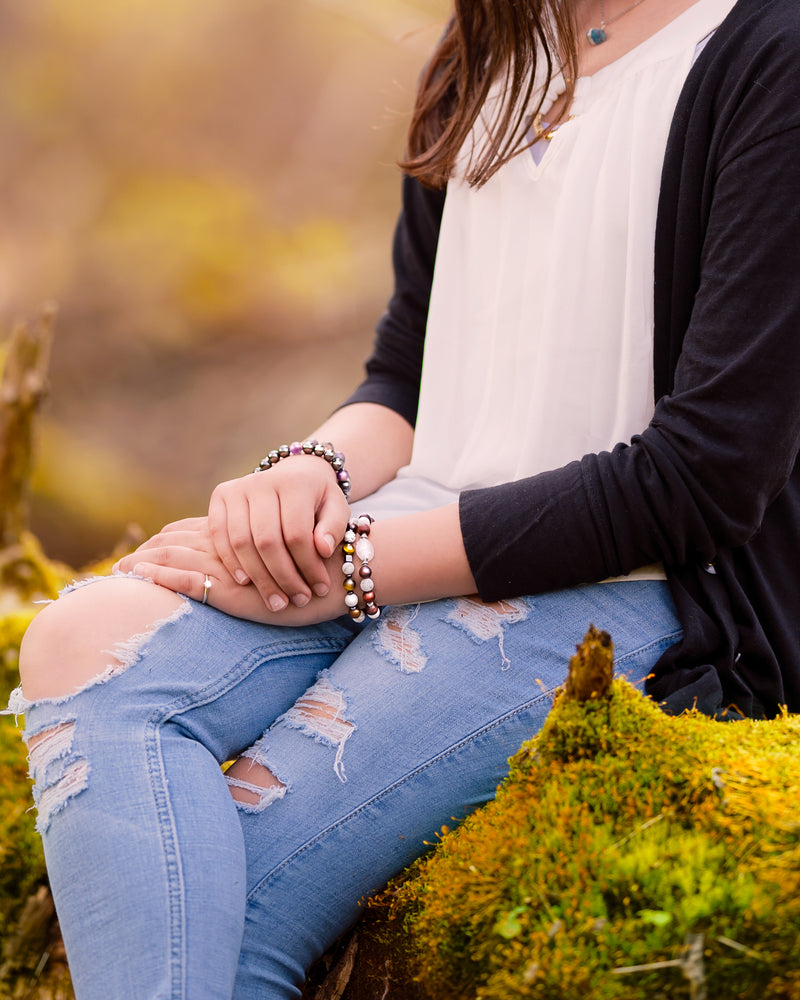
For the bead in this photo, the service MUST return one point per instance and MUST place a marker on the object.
(309, 447)
(337, 463)
(364, 549)
(356, 540)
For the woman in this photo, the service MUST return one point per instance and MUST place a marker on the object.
(569, 426)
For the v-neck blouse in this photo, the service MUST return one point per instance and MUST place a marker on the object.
(538, 346)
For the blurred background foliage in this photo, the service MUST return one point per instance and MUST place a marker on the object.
(207, 189)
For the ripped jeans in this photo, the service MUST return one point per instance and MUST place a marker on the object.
(167, 888)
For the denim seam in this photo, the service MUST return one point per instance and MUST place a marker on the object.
(246, 666)
(466, 740)
(158, 781)
(174, 872)
(668, 639)
(429, 763)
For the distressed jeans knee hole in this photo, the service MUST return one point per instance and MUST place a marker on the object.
(252, 784)
(58, 773)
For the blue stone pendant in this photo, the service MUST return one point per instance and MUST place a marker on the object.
(596, 36)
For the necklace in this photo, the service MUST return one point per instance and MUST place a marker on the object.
(597, 36)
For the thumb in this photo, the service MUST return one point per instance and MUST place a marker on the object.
(330, 527)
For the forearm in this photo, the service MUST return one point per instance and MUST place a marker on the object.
(419, 557)
(375, 440)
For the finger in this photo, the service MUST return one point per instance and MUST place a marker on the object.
(311, 531)
(297, 520)
(190, 532)
(222, 510)
(332, 518)
(253, 555)
(267, 532)
(186, 524)
(199, 541)
(188, 582)
(299, 524)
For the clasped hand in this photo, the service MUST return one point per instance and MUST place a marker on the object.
(267, 546)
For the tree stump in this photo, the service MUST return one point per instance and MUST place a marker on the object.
(23, 386)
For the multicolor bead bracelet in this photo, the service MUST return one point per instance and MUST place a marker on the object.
(310, 447)
(356, 542)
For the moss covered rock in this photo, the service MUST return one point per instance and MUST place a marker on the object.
(28, 933)
(629, 854)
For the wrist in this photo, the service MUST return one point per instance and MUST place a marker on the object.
(310, 446)
(421, 557)
(359, 586)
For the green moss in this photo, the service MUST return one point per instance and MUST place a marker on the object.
(620, 837)
(25, 575)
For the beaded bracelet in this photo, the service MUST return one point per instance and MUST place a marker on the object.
(310, 447)
(356, 541)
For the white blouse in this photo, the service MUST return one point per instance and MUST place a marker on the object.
(539, 339)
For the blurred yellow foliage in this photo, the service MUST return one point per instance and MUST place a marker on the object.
(186, 174)
(204, 243)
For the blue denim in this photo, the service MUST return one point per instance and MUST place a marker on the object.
(167, 888)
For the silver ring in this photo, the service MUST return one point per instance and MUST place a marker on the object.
(206, 587)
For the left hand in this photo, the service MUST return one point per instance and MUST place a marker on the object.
(182, 556)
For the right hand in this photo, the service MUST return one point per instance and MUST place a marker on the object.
(276, 528)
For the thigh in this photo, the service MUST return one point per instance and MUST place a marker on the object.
(433, 700)
(218, 679)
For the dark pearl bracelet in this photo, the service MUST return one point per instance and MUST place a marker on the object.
(310, 447)
(356, 542)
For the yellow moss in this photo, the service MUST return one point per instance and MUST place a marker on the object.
(26, 574)
(620, 836)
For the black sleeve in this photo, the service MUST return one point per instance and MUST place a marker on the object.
(723, 443)
(395, 365)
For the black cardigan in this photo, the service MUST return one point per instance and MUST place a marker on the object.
(711, 488)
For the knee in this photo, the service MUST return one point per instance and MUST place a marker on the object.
(68, 642)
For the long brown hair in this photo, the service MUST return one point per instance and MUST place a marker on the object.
(486, 40)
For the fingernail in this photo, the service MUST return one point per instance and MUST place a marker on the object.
(277, 603)
(321, 589)
(300, 600)
(241, 576)
(331, 544)
(115, 567)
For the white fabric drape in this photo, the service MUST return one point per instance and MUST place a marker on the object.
(539, 339)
